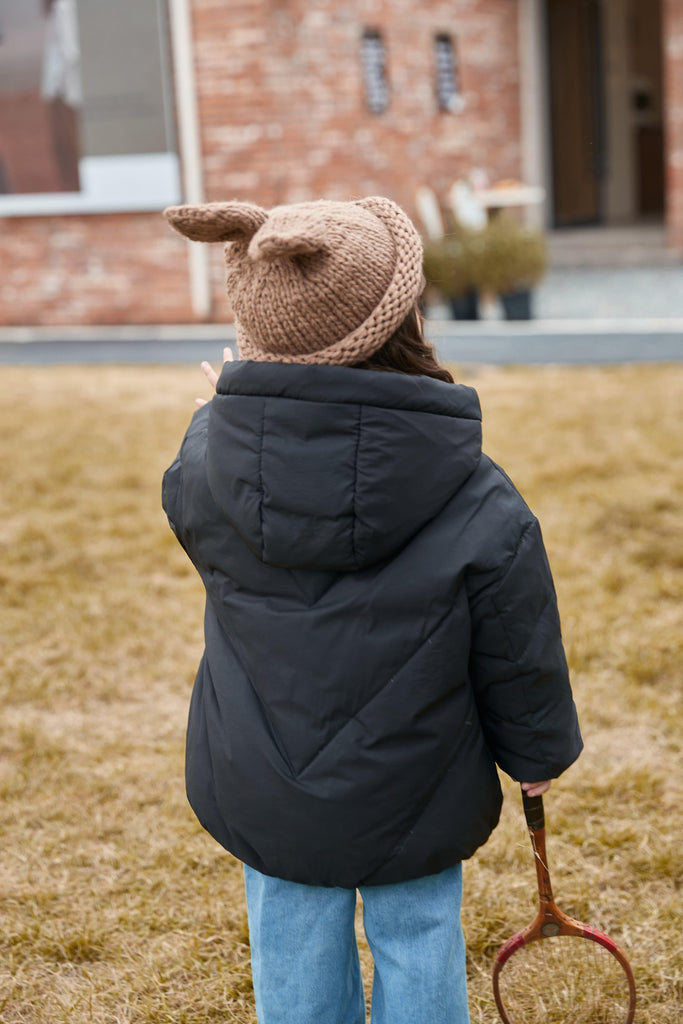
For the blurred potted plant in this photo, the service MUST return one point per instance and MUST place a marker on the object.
(450, 266)
(512, 261)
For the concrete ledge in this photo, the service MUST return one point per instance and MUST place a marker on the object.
(117, 332)
(436, 328)
(465, 342)
(570, 327)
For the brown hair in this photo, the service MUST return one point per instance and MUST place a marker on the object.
(406, 351)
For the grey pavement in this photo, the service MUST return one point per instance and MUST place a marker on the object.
(583, 315)
(621, 292)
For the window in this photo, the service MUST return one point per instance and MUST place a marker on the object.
(447, 85)
(85, 120)
(373, 57)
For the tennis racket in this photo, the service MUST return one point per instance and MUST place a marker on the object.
(557, 970)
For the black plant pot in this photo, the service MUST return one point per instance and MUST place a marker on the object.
(465, 307)
(517, 304)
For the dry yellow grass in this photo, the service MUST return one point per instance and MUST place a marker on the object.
(115, 906)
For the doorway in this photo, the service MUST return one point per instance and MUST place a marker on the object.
(576, 110)
(606, 111)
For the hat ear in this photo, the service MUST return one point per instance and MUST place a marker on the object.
(216, 222)
(288, 241)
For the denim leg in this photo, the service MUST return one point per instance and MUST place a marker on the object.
(304, 958)
(414, 933)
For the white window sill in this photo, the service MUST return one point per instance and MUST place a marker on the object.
(109, 184)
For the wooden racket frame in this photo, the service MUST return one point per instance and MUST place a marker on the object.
(550, 920)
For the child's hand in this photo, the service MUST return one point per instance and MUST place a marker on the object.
(211, 374)
(536, 788)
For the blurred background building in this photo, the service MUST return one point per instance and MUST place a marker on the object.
(109, 112)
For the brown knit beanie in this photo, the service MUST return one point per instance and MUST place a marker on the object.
(318, 282)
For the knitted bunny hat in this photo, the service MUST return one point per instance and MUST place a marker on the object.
(317, 282)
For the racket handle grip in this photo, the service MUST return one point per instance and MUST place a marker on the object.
(533, 812)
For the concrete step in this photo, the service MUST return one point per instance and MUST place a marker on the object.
(629, 245)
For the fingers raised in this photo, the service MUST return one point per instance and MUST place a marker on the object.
(210, 374)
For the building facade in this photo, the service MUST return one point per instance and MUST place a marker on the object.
(110, 112)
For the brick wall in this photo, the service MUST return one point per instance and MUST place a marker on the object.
(283, 118)
(673, 86)
(120, 268)
(282, 100)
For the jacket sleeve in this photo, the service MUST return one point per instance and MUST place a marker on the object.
(183, 482)
(518, 667)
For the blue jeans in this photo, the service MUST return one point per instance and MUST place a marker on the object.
(304, 957)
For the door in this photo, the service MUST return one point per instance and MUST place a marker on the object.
(576, 107)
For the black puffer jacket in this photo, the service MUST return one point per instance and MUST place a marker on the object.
(381, 624)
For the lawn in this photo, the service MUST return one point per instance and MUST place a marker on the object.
(114, 905)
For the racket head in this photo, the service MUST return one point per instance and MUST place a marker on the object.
(559, 971)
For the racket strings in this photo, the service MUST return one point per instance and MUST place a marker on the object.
(564, 980)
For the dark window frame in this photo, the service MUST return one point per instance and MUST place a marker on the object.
(447, 73)
(374, 65)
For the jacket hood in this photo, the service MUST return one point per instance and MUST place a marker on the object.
(336, 468)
